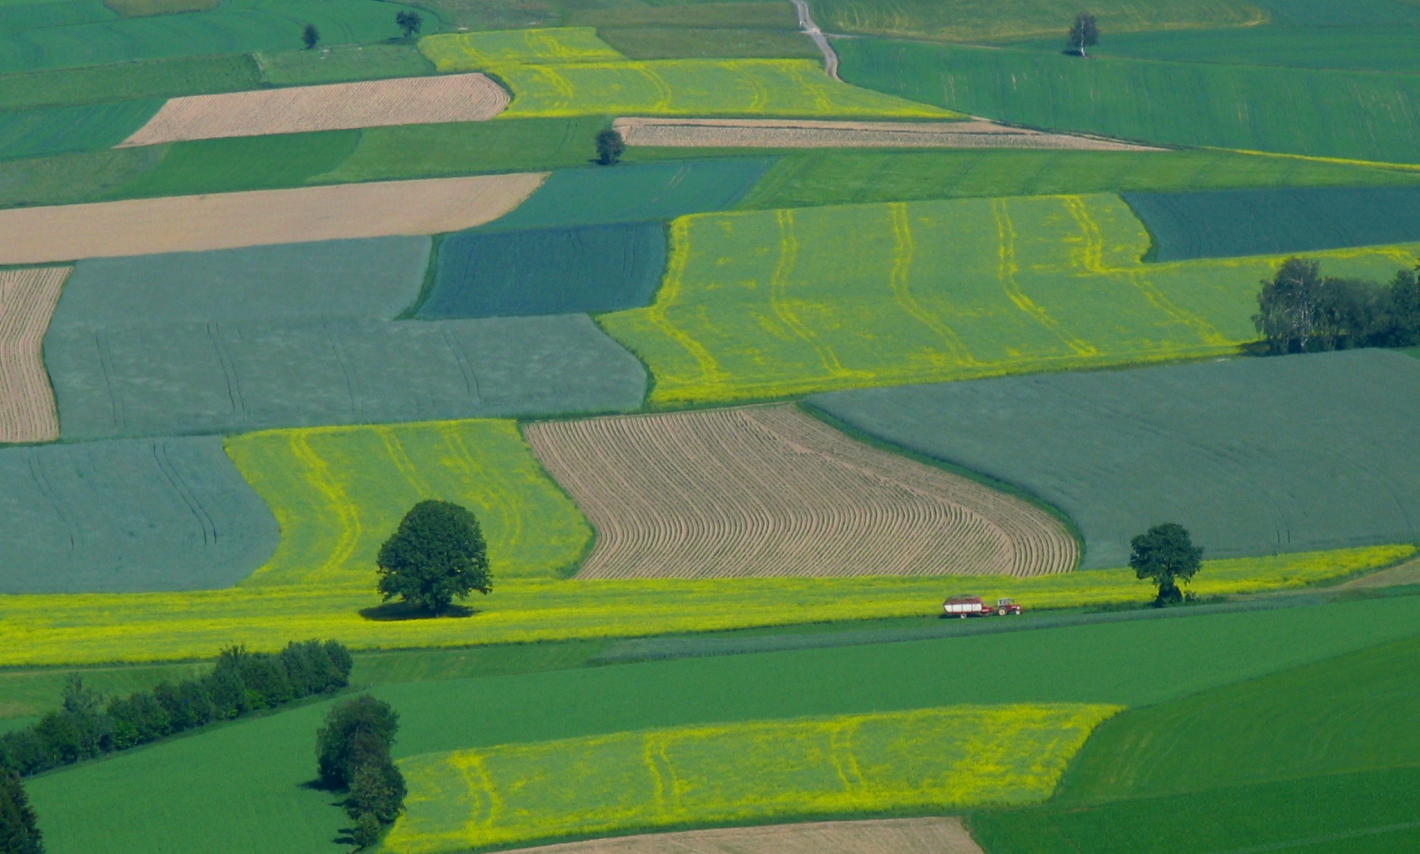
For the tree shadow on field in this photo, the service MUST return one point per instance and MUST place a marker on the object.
(391, 612)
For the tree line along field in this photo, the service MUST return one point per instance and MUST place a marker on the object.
(785, 302)
(337, 492)
(770, 491)
(1338, 114)
(1110, 664)
(745, 771)
(1119, 451)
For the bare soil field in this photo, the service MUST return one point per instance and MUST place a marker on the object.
(770, 491)
(799, 133)
(933, 835)
(27, 300)
(1405, 574)
(258, 218)
(337, 106)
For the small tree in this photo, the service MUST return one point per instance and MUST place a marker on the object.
(19, 831)
(349, 729)
(437, 555)
(310, 36)
(610, 147)
(366, 832)
(1084, 33)
(409, 22)
(1165, 554)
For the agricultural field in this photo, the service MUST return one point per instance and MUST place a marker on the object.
(1199, 444)
(1222, 224)
(27, 300)
(476, 51)
(337, 491)
(759, 305)
(154, 78)
(121, 517)
(1349, 48)
(334, 106)
(723, 30)
(1337, 114)
(745, 771)
(770, 491)
(232, 220)
(789, 133)
(547, 271)
(340, 63)
(899, 835)
(56, 130)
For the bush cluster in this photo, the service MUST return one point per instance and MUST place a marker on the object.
(353, 753)
(1300, 311)
(242, 682)
(19, 828)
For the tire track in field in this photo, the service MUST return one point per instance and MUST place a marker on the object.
(770, 491)
(27, 299)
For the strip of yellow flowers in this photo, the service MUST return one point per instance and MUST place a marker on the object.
(946, 758)
(89, 628)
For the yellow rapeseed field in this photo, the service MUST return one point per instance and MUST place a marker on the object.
(101, 627)
(945, 758)
(452, 52)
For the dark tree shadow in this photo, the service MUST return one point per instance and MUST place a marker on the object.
(399, 611)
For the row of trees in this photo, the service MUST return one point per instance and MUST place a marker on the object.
(353, 755)
(1302, 311)
(87, 726)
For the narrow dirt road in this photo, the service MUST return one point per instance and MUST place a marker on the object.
(806, 21)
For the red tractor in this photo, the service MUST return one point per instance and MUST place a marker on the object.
(972, 606)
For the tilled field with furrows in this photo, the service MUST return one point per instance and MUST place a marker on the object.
(27, 300)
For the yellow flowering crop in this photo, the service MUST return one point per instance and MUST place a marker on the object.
(474, 51)
(946, 758)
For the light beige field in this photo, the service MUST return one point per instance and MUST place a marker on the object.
(336, 106)
(27, 299)
(258, 218)
(770, 491)
(934, 835)
(802, 133)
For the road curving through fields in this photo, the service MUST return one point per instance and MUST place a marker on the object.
(770, 491)
(27, 300)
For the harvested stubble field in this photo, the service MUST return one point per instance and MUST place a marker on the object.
(758, 305)
(1196, 444)
(697, 87)
(27, 300)
(94, 628)
(257, 218)
(547, 271)
(771, 491)
(473, 51)
(1230, 223)
(744, 771)
(802, 133)
(184, 377)
(936, 835)
(161, 514)
(336, 106)
(338, 492)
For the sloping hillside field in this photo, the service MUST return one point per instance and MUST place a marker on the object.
(162, 514)
(338, 491)
(739, 772)
(770, 491)
(27, 299)
(776, 303)
(230, 220)
(336, 106)
(1254, 456)
(1229, 223)
(547, 271)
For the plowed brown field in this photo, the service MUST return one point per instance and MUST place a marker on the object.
(798, 133)
(880, 836)
(27, 299)
(259, 218)
(771, 491)
(374, 103)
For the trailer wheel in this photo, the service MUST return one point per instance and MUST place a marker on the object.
(1000, 612)
(963, 616)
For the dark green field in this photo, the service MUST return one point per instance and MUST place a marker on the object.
(56, 130)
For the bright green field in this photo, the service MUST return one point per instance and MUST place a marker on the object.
(341, 62)
(752, 771)
(339, 492)
(699, 87)
(1342, 48)
(259, 765)
(1340, 114)
(157, 78)
(777, 303)
(994, 20)
(1324, 757)
(856, 177)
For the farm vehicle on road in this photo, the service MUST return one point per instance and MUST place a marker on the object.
(972, 606)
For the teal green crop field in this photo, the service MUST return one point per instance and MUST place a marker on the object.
(159, 78)
(55, 130)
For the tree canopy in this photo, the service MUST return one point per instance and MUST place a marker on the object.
(19, 830)
(1301, 311)
(1165, 554)
(610, 147)
(437, 554)
(1084, 33)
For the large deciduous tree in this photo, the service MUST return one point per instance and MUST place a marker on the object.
(409, 22)
(1165, 554)
(1084, 33)
(437, 554)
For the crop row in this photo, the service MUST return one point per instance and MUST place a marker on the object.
(27, 300)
